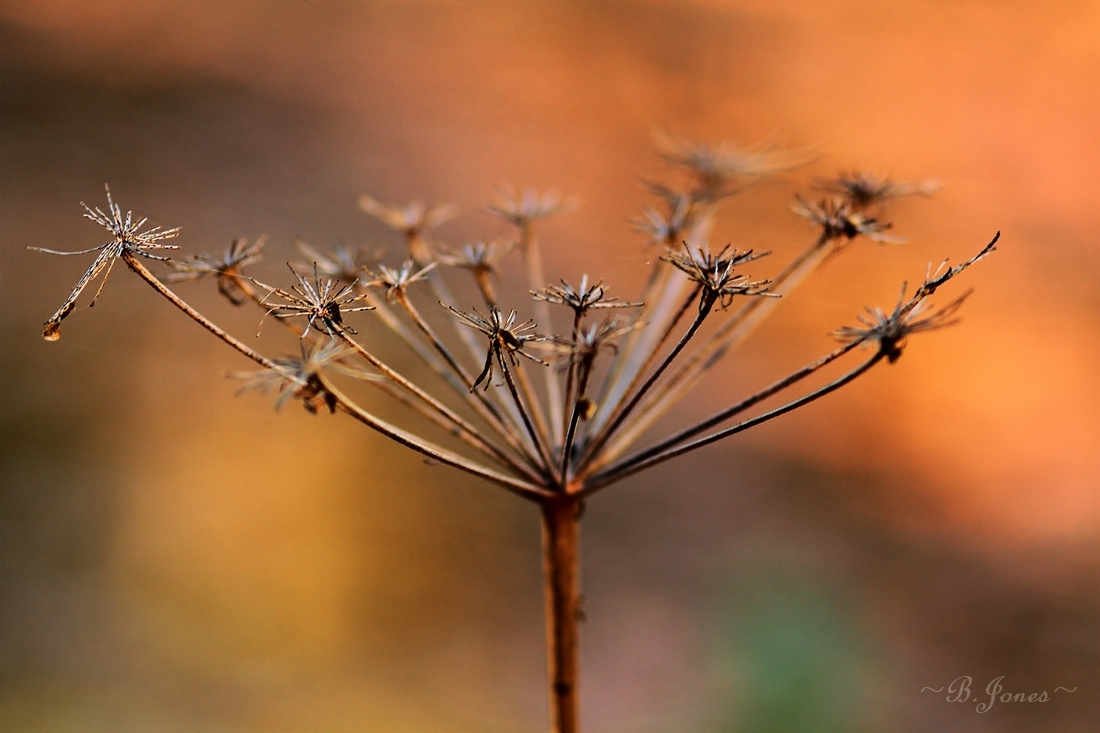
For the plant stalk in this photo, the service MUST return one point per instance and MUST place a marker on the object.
(561, 554)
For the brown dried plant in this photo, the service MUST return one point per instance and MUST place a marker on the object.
(558, 436)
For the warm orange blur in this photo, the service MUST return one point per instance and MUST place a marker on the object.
(180, 559)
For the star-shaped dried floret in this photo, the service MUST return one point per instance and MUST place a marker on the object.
(890, 330)
(863, 189)
(295, 377)
(411, 218)
(227, 269)
(524, 208)
(715, 275)
(506, 339)
(343, 263)
(592, 339)
(481, 257)
(397, 280)
(324, 301)
(839, 220)
(582, 298)
(721, 169)
(128, 238)
(667, 228)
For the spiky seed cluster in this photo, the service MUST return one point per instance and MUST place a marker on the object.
(666, 228)
(299, 377)
(414, 217)
(890, 330)
(722, 170)
(343, 263)
(863, 190)
(714, 274)
(593, 338)
(481, 257)
(839, 219)
(581, 299)
(523, 209)
(227, 269)
(323, 302)
(128, 240)
(396, 280)
(507, 338)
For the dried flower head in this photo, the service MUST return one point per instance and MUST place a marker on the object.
(862, 189)
(343, 263)
(581, 299)
(889, 331)
(723, 169)
(128, 238)
(506, 339)
(839, 220)
(912, 315)
(481, 257)
(590, 339)
(324, 301)
(521, 209)
(298, 377)
(226, 269)
(715, 275)
(667, 228)
(397, 280)
(411, 218)
(558, 440)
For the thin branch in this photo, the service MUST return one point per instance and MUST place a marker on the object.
(540, 444)
(724, 339)
(633, 465)
(428, 407)
(438, 406)
(529, 244)
(199, 318)
(732, 411)
(706, 304)
(585, 369)
(517, 486)
(476, 399)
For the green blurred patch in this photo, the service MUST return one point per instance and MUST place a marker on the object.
(790, 656)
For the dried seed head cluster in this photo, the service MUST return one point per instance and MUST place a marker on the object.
(128, 240)
(525, 208)
(555, 436)
(299, 377)
(581, 299)
(863, 190)
(507, 338)
(323, 302)
(650, 365)
(842, 219)
(714, 273)
(655, 350)
(396, 280)
(343, 263)
(227, 270)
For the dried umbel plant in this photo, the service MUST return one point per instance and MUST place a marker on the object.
(551, 416)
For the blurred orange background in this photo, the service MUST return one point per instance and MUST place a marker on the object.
(177, 558)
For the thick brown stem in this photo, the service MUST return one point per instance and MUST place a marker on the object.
(560, 531)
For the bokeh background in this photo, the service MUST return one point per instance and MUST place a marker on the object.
(175, 558)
